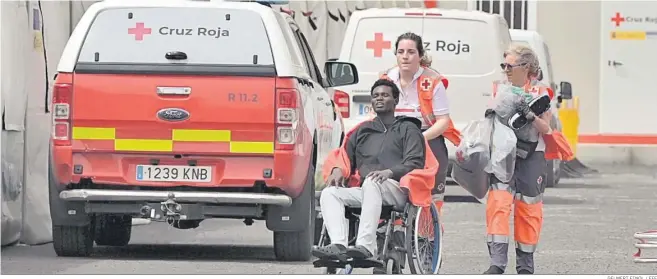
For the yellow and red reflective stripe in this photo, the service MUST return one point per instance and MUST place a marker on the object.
(179, 140)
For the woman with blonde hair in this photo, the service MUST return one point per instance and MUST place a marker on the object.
(525, 189)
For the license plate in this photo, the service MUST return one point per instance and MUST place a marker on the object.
(174, 173)
(364, 109)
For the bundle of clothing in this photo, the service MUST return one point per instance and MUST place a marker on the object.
(490, 145)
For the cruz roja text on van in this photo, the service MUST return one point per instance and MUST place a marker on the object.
(647, 19)
(441, 45)
(199, 31)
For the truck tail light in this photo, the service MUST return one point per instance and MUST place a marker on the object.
(341, 100)
(288, 114)
(61, 113)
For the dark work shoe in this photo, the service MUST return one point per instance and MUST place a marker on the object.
(359, 253)
(524, 271)
(330, 252)
(494, 270)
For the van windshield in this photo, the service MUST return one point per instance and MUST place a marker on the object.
(461, 46)
(207, 36)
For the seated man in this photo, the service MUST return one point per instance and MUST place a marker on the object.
(382, 150)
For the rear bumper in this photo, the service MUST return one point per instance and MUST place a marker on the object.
(283, 171)
(96, 195)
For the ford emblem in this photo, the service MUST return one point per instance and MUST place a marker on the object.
(173, 114)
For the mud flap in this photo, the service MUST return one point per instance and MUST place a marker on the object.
(64, 213)
(296, 217)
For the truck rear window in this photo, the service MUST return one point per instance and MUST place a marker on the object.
(223, 37)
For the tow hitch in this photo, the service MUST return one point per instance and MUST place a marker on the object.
(170, 211)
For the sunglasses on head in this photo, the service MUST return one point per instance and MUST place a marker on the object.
(505, 66)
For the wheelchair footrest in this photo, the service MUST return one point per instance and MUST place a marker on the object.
(367, 263)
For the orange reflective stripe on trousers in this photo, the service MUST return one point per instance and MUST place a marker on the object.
(528, 217)
(498, 211)
(528, 221)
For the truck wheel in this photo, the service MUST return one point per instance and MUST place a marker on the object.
(70, 241)
(112, 230)
(293, 246)
(297, 245)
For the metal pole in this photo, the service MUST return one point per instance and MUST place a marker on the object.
(25, 165)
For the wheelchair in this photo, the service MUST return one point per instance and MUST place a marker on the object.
(412, 233)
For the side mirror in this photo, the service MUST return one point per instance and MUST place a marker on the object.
(340, 73)
(566, 92)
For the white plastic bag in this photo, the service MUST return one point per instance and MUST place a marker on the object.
(503, 152)
(473, 157)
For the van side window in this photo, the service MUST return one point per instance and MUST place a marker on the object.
(315, 73)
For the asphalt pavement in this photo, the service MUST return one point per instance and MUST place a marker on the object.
(588, 228)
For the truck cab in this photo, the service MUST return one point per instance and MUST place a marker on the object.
(181, 111)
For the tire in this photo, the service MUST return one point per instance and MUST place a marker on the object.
(70, 241)
(296, 246)
(112, 230)
(412, 240)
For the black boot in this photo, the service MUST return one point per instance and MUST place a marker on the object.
(524, 262)
(494, 270)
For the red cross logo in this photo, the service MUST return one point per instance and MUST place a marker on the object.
(426, 84)
(618, 19)
(378, 44)
(139, 31)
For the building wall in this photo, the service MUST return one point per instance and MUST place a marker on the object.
(458, 4)
(572, 31)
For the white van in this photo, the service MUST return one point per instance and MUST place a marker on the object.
(535, 41)
(466, 46)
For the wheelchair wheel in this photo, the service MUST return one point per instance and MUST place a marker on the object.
(423, 239)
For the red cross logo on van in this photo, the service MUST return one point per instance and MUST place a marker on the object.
(139, 31)
(378, 44)
(618, 19)
(426, 84)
